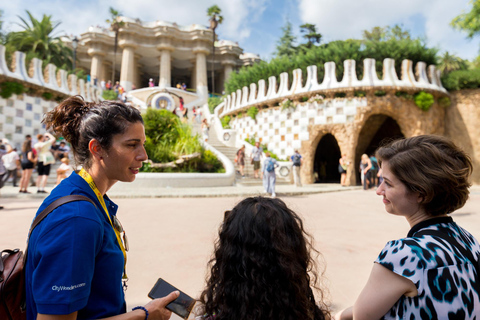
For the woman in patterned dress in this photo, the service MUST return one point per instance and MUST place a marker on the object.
(432, 273)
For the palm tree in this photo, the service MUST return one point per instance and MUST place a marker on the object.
(449, 62)
(115, 25)
(38, 40)
(214, 13)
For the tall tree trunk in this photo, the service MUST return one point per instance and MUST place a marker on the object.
(114, 58)
(213, 64)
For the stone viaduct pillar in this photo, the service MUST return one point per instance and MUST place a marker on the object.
(127, 71)
(201, 70)
(96, 68)
(165, 66)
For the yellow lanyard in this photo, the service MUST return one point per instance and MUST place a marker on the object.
(88, 178)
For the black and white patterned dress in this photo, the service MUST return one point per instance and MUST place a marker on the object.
(446, 280)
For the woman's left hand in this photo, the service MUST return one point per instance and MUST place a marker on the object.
(156, 308)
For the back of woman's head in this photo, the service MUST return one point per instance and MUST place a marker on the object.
(26, 146)
(434, 167)
(262, 266)
(79, 122)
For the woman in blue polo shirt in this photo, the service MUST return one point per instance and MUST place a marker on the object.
(76, 259)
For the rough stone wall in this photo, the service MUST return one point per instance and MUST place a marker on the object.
(411, 120)
(462, 125)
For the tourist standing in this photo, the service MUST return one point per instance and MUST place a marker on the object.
(11, 161)
(256, 156)
(365, 166)
(205, 129)
(184, 86)
(29, 159)
(151, 83)
(297, 162)
(45, 159)
(373, 171)
(268, 173)
(76, 259)
(64, 171)
(241, 160)
(342, 169)
(194, 114)
(433, 272)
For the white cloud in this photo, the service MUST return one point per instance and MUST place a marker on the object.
(77, 18)
(343, 19)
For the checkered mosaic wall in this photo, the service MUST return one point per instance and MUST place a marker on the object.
(284, 131)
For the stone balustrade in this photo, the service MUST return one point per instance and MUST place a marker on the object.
(49, 78)
(255, 95)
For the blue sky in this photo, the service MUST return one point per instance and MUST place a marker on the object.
(256, 24)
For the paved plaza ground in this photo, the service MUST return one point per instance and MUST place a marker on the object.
(173, 238)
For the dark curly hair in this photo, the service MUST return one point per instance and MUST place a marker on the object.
(434, 167)
(79, 122)
(262, 266)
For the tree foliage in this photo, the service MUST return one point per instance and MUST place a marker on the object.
(286, 43)
(396, 47)
(449, 62)
(310, 33)
(469, 21)
(38, 40)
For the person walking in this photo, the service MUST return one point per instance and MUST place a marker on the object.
(45, 159)
(29, 159)
(365, 166)
(256, 156)
(241, 160)
(76, 258)
(268, 174)
(205, 129)
(11, 161)
(297, 163)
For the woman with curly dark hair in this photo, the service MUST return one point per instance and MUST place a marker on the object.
(263, 266)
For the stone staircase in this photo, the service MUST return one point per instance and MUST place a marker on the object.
(230, 153)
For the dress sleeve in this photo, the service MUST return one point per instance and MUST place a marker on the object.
(401, 257)
(65, 263)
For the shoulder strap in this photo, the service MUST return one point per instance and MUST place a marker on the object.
(55, 204)
(52, 206)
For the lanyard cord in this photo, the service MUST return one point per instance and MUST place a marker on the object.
(88, 178)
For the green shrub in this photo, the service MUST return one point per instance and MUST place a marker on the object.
(424, 100)
(226, 122)
(462, 79)
(287, 104)
(303, 99)
(8, 88)
(340, 95)
(380, 93)
(404, 94)
(444, 102)
(213, 102)
(47, 95)
(252, 112)
(360, 93)
(109, 95)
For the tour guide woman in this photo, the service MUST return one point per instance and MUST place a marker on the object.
(76, 259)
(433, 273)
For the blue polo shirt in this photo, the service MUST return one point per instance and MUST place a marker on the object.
(74, 262)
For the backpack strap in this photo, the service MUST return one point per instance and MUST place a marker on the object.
(52, 206)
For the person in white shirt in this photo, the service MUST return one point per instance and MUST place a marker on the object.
(11, 161)
(45, 159)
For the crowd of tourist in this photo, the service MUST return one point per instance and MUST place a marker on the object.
(264, 264)
(36, 156)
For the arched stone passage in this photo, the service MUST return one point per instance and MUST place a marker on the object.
(326, 160)
(378, 129)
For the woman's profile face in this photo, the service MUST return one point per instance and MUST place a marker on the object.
(126, 155)
(397, 198)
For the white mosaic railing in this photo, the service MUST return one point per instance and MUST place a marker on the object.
(253, 95)
(57, 80)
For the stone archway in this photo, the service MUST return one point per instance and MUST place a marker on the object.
(377, 130)
(325, 164)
